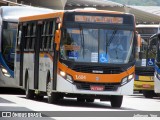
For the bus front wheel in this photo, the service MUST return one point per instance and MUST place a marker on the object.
(80, 99)
(116, 101)
(149, 93)
(53, 97)
(89, 100)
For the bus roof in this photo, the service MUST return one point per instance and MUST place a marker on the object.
(13, 13)
(90, 10)
(50, 15)
(147, 25)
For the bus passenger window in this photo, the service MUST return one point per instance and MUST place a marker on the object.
(28, 29)
(45, 36)
(52, 33)
(51, 27)
(32, 36)
(34, 30)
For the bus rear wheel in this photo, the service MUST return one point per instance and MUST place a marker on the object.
(116, 101)
(53, 98)
(39, 97)
(29, 93)
(89, 100)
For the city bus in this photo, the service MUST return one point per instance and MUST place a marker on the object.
(157, 65)
(147, 30)
(144, 71)
(9, 16)
(72, 54)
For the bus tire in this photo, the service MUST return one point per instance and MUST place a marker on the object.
(39, 97)
(149, 93)
(53, 98)
(116, 101)
(80, 99)
(29, 93)
(89, 100)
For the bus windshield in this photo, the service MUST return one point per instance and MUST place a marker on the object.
(8, 42)
(149, 30)
(147, 52)
(152, 51)
(96, 45)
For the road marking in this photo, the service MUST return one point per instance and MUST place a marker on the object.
(9, 105)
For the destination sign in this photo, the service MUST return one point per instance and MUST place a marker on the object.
(98, 19)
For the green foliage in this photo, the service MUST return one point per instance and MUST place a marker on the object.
(139, 2)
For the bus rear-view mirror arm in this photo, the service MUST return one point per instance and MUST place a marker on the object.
(57, 38)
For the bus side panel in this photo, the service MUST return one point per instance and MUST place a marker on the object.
(29, 67)
(45, 67)
(156, 84)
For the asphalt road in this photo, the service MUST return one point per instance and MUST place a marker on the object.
(136, 105)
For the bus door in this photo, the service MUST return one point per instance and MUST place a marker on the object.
(44, 52)
(46, 55)
(20, 53)
(37, 53)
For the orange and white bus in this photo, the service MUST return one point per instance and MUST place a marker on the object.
(86, 54)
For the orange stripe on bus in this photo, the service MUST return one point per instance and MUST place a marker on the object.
(41, 17)
(102, 78)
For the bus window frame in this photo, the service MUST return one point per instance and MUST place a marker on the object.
(48, 35)
(30, 36)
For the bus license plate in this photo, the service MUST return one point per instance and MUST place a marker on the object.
(97, 88)
(146, 86)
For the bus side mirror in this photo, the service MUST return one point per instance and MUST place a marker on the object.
(64, 33)
(57, 38)
(159, 36)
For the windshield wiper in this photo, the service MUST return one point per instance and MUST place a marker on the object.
(112, 36)
(82, 38)
(116, 52)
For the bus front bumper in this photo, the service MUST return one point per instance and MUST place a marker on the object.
(65, 86)
(143, 85)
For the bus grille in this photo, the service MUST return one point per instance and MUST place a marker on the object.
(145, 71)
(108, 86)
(101, 69)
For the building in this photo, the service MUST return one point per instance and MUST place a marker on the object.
(147, 15)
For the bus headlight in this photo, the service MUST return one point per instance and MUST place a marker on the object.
(130, 77)
(124, 81)
(62, 73)
(5, 72)
(7, 75)
(66, 76)
(127, 79)
(69, 78)
(158, 76)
